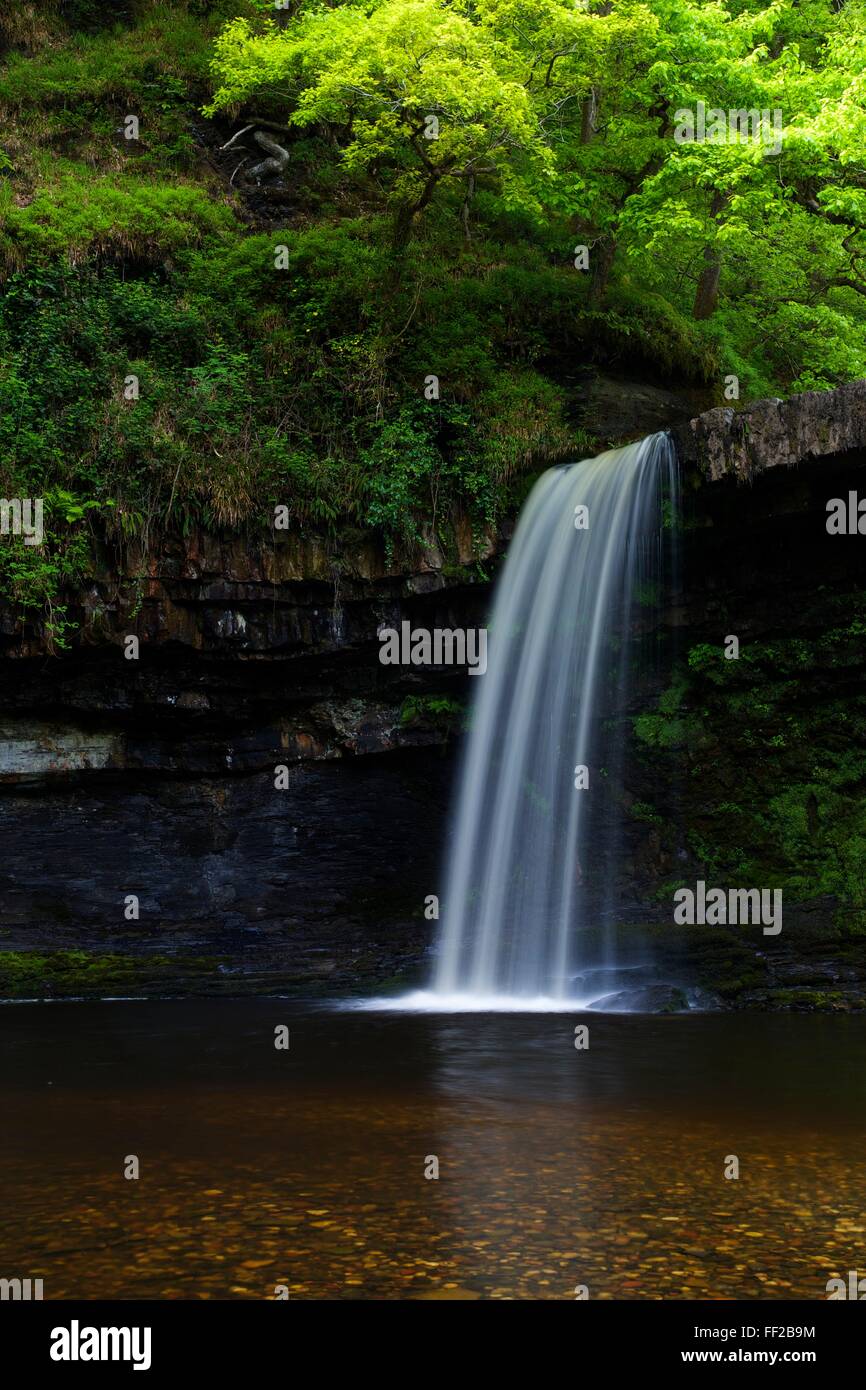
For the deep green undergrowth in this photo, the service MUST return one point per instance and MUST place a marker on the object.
(392, 330)
(774, 747)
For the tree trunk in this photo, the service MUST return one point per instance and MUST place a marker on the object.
(707, 293)
(601, 264)
(467, 203)
(402, 230)
(404, 218)
(589, 116)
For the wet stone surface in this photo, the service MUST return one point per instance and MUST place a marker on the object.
(306, 1167)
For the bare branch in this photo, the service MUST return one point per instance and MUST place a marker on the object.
(229, 143)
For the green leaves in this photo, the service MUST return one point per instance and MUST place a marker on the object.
(567, 115)
(445, 159)
(419, 464)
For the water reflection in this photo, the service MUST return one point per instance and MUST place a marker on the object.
(556, 1166)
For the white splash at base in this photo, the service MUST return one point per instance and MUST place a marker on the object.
(426, 1001)
(534, 857)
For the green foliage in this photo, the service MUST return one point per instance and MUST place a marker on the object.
(378, 73)
(86, 217)
(563, 116)
(408, 257)
(674, 724)
(797, 815)
(419, 464)
(35, 975)
(33, 578)
(430, 709)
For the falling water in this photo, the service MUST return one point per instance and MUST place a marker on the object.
(517, 924)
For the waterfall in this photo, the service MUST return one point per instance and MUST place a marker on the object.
(530, 893)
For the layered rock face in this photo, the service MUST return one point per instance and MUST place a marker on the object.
(154, 778)
(272, 794)
(755, 762)
(775, 434)
(237, 886)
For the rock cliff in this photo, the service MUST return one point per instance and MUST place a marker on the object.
(154, 778)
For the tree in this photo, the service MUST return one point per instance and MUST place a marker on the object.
(415, 93)
(571, 114)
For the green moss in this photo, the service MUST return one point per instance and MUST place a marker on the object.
(730, 987)
(26, 974)
(672, 725)
(774, 746)
(676, 1004)
(81, 215)
(431, 709)
(820, 1000)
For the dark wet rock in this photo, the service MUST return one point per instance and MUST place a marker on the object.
(318, 888)
(645, 999)
(156, 776)
(774, 433)
(618, 409)
(704, 1000)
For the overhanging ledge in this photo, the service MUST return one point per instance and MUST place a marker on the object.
(774, 433)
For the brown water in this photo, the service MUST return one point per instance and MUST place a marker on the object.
(307, 1168)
